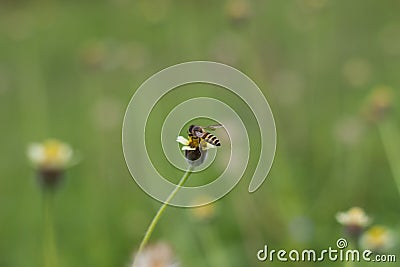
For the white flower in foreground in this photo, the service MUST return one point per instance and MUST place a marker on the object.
(50, 159)
(354, 220)
(354, 216)
(186, 144)
(158, 255)
(183, 141)
(195, 151)
(51, 154)
(377, 239)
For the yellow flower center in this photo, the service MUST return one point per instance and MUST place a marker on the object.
(377, 235)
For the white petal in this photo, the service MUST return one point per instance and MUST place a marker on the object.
(36, 153)
(188, 148)
(182, 140)
(65, 154)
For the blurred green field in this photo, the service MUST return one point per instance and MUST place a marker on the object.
(69, 68)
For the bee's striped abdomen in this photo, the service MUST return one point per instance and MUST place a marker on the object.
(212, 139)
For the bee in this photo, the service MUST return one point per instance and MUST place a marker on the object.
(199, 141)
(199, 132)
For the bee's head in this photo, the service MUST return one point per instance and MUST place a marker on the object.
(190, 129)
(195, 130)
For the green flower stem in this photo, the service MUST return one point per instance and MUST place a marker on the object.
(49, 245)
(389, 135)
(161, 210)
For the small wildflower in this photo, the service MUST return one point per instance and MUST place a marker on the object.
(354, 220)
(377, 239)
(195, 154)
(379, 103)
(50, 159)
(157, 255)
(183, 141)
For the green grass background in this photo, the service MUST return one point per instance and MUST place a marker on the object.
(69, 68)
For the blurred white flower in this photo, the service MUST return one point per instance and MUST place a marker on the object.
(377, 239)
(354, 221)
(182, 140)
(50, 159)
(195, 151)
(158, 255)
(186, 144)
(51, 154)
(353, 217)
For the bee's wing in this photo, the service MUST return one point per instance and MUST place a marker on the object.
(213, 127)
(205, 145)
